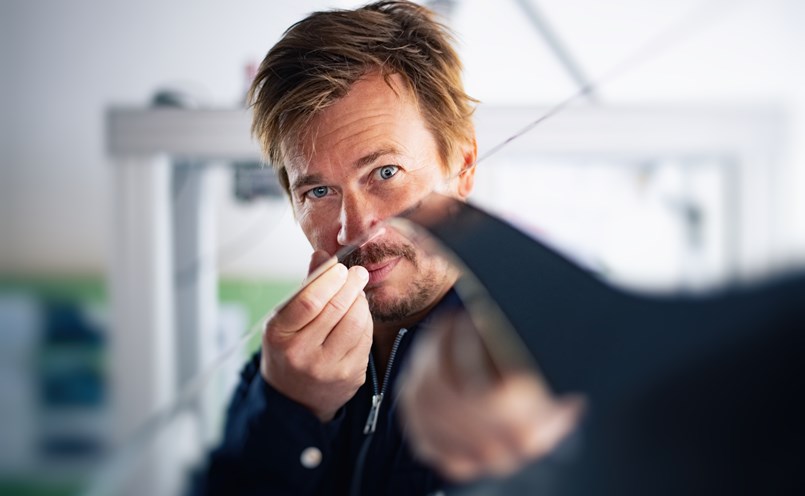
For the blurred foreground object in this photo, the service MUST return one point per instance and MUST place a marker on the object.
(467, 417)
(686, 395)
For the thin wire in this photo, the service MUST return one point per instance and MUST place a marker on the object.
(559, 49)
(683, 28)
(109, 478)
(235, 248)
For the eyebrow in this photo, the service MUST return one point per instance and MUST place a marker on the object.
(311, 179)
(370, 158)
(307, 180)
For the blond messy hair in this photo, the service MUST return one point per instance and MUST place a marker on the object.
(320, 57)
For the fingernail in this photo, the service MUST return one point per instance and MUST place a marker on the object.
(362, 273)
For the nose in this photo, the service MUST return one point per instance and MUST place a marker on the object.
(356, 219)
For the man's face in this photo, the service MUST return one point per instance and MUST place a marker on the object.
(366, 158)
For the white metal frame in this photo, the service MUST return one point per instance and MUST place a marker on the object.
(143, 144)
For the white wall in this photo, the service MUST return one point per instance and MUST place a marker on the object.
(728, 53)
(65, 62)
(68, 62)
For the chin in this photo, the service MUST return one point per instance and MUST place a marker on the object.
(388, 305)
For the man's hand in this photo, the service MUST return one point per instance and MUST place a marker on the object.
(316, 347)
(469, 419)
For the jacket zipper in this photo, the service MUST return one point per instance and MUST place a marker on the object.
(374, 413)
(378, 393)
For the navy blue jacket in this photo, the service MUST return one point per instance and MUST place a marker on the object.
(266, 435)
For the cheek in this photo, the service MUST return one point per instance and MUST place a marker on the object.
(418, 185)
(320, 230)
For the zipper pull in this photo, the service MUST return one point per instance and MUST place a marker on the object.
(371, 420)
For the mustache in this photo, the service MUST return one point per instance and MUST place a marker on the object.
(378, 252)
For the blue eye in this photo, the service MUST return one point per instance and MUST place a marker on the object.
(317, 192)
(387, 171)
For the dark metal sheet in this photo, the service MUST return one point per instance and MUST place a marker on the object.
(688, 394)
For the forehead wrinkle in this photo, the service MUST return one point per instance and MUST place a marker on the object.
(388, 108)
(369, 128)
(373, 134)
(343, 143)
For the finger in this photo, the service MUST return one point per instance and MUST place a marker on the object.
(337, 307)
(471, 451)
(444, 434)
(427, 445)
(459, 468)
(310, 301)
(357, 333)
(496, 458)
(455, 458)
(553, 428)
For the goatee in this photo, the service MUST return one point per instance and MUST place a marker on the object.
(414, 299)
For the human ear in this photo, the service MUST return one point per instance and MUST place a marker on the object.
(466, 177)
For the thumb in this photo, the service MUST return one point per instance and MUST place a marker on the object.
(316, 259)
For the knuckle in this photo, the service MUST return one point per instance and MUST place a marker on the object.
(361, 378)
(368, 332)
(273, 339)
(356, 322)
(309, 303)
(366, 340)
(349, 333)
(344, 374)
(296, 357)
(338, 305)
(319, 371)
(457, 468)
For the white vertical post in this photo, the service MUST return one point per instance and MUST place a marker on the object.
(142, 362)
(195, 258)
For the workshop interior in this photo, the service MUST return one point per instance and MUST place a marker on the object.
(659, 145)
